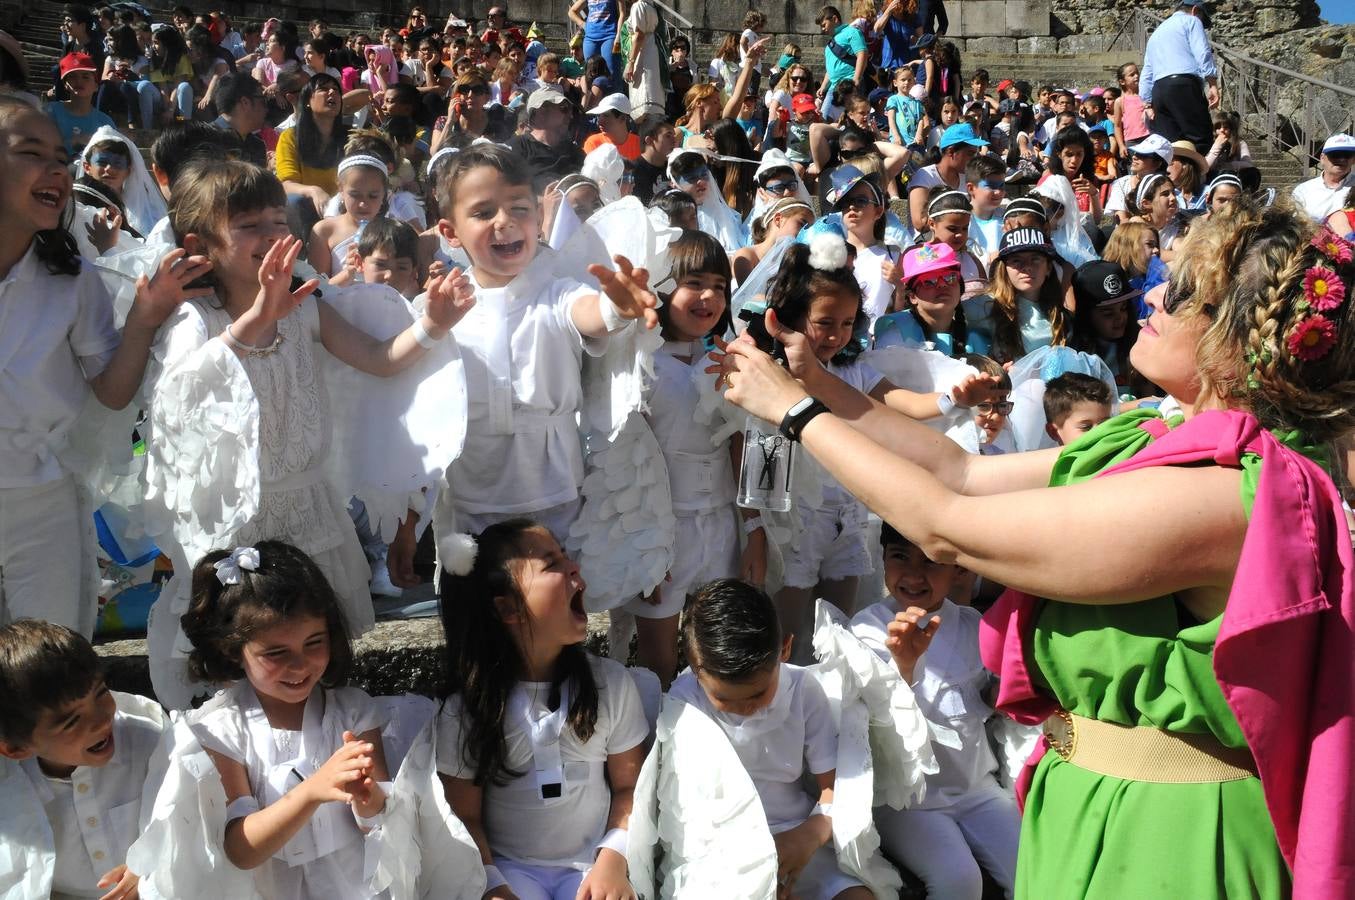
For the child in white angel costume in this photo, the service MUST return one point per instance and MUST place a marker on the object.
(967, 819)
(280, 785)
(539, 742)
(535, 320)
(254, 433)
(73, 763)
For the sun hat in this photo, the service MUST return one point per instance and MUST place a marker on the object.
(843, 180)
(1186, 150)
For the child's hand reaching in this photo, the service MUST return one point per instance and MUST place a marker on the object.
(973, 389)
(103, 230)
(276, 300)
(909, 636)
(158, 297)
(121, 884)
(607, 880)
(342, 773)
(628, 290)
(450, 297)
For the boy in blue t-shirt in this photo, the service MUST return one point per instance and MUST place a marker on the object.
(76, 118)
(905, 111)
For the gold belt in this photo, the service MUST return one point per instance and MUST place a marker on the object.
(1138, 753)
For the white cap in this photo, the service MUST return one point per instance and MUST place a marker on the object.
(1341, 143)
(1154, 145)
(612, 103)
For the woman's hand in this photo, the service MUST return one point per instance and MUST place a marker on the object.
(607, 880)
(158, 297)
(754, 382)
(909, 636)
(341, 774)
(628, 289)
(450, 297)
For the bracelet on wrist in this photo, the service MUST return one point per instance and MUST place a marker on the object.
(422, 335)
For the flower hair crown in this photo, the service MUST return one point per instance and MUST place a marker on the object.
(1313, 333)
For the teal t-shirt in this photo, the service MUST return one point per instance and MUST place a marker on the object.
(77, 130)
(855, 42)
(907, 112)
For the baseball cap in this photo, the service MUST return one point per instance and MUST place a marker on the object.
(79, 62)
(1154, 145)
(612, 103)
(1004, 84)
(928, 258)
(802, 103)
(844, 178)
(925, 41)
(1101, 282)
(961, 133)
(1024, 240)
(570, 67)
(1337, 143)
(878, 93)
(543, 95)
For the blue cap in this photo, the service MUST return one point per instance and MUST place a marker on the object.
(843, 179)
(961, 133)
(878, 94)
(925, 41)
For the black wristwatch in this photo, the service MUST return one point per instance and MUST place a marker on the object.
(798, 416)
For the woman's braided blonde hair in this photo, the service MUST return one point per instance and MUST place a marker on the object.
(1245, 270)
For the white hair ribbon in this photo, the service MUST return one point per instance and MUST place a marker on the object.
(229, 570)
(362, 159)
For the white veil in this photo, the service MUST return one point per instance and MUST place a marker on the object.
(140, 194)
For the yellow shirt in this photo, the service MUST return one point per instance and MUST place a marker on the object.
(287, 165)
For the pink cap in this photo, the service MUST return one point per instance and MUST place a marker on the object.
(928, 258)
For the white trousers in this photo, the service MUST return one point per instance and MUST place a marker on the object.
(945, 847)
(48, 568)
(540, 882)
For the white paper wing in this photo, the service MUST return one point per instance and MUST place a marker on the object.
(392, 437)
(713, 839)
(422, 851)
(900, 736)
(180, 852)
(624, 535)
(1014, 744)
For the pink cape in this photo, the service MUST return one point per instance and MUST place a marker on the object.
(1285, 654)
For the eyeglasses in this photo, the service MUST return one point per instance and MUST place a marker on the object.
(108, 161)
(779, 187)
(1002, 407)
(945, 279)
(857, 203)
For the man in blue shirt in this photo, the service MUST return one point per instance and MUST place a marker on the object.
(1179, 81)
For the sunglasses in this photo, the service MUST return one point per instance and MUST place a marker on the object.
(1341, 156)
(945, 279)
(857, 203)
(795, 78)
(467, 90)
(693, 177)
(108, 161)
(1002, 407)
(779, 187)
(1174, 299)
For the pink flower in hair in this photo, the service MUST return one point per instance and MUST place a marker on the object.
(1323, 288)
(1332, 245)
(1312, 338)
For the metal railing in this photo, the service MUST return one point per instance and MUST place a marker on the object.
(1287, 111)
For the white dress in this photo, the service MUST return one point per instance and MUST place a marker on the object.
(646, 91)
(324, 860)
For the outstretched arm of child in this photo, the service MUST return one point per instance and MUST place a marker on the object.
(625, 295)
(794, 848)
(252, 839)
(930, 405)
(608, 879)
(908, 637)
(156, 299)
(450, 297)
(466, 798)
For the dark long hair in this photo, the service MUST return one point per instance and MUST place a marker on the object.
(222, 618)
(1072, 136)
(311, 146)
(174, 49)
(484, 663)
(737, 183)
(798, 284)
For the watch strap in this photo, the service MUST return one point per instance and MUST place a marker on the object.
(799, 415)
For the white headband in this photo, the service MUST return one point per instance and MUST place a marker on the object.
(1146, 186)
(441, 154)
(775, 210)
(932, 210)
(362, 159)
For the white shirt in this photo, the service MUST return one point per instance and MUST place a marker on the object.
(985, 235)
(563, 830)
(777, 744)
(876, 293)
(56, 333)
(93, 815)
(948, 681)
(700, 473)
(1118, 201)
(1319, 201)
(523, 356)
(864, 378)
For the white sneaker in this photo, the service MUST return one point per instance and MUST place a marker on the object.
(380, 584)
